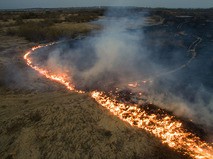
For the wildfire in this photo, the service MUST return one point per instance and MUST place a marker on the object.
(169, 130)
(62, 78)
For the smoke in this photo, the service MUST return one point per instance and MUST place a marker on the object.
(107, 57)
(128, 49)
(116, 48)
(17, 78)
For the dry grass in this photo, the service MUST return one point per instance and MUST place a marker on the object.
(76, 27)
(33, 20)
(37, 26)
(67, 125)
(7, 23)
(40, 119)
(49, 31)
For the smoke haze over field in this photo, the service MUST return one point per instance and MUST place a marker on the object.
(112, 82)
(123, 53)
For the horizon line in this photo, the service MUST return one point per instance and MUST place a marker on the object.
(102, 7)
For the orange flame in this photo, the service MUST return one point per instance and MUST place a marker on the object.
(62, 78)
(169, 130)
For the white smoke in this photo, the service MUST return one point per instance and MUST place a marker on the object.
(118, 54)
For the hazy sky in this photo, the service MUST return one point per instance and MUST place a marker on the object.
(13, 4)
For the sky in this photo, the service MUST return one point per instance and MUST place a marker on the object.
(17, 4)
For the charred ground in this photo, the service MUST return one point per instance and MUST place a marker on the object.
(40, 119)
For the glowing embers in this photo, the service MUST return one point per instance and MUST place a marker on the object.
(61, 78)
(169, 130)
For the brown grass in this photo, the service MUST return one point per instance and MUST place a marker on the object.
(40, 119)
(76, 27)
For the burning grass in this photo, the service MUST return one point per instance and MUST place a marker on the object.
(65, 124)
(166, 128)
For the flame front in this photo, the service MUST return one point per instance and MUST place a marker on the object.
(62, 78)
(167, 129)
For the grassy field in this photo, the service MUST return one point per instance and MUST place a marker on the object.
(40, 118)
(51, 25)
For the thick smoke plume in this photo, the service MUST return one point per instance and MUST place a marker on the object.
(122, 53)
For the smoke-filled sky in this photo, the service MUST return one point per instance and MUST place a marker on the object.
(15, 4)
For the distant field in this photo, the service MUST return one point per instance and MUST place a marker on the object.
(44, 25)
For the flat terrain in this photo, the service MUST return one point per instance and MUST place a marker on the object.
(41, 119)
